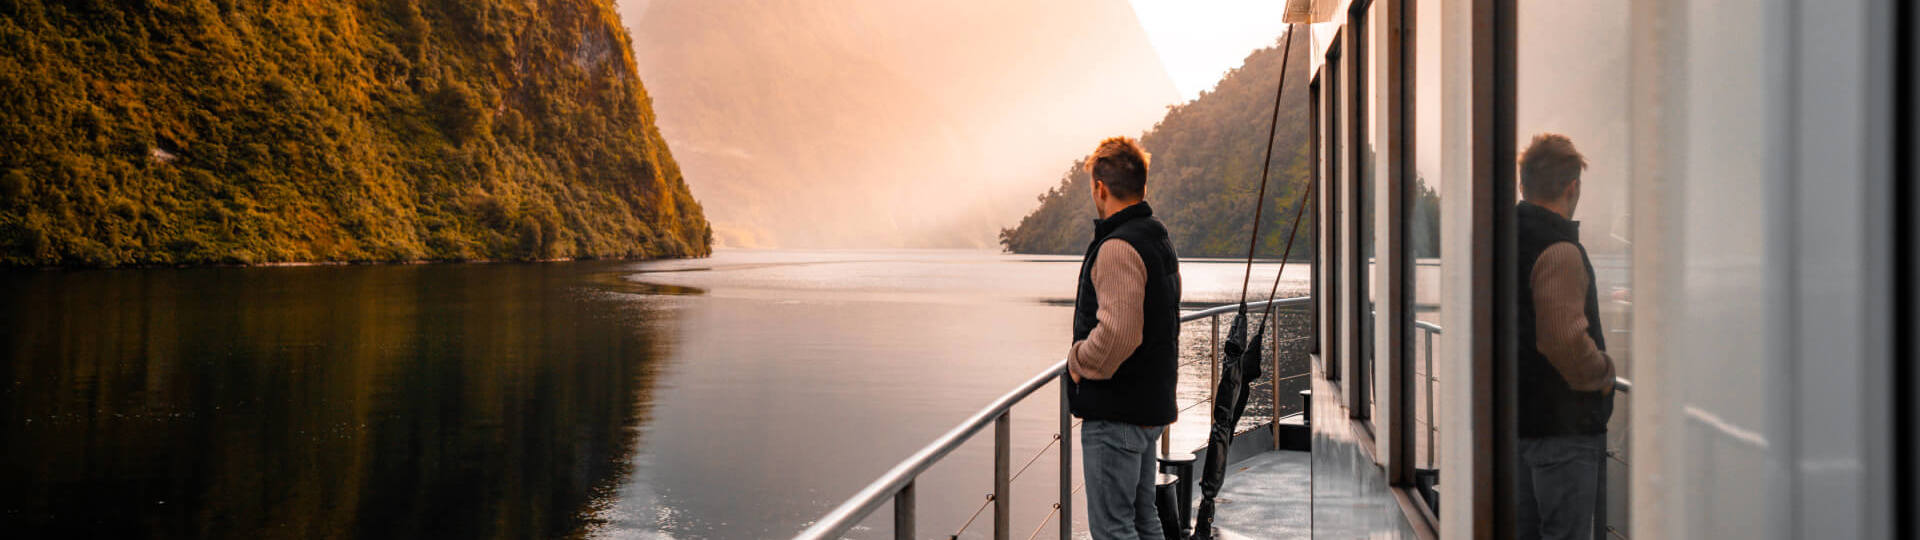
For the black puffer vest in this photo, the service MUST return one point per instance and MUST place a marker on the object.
(1141, 391)
(1548, 407)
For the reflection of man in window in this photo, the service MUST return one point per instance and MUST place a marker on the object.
(1565, 376)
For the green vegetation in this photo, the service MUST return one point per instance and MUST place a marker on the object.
(227, 131)
(1206, 171)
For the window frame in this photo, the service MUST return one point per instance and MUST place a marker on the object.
(1404, 267)
(1496, 168)
(1359, 314)
(1907, 405)
(1393, 252)
(1329, 198)
(1314, 181)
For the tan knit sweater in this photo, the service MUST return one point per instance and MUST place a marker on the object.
(1560, 319)
(1120, 286)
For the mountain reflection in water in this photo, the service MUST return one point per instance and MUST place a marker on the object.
(452, 401)
(740, 396)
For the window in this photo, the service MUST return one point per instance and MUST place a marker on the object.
(1420, 211)
(1330, 191)
(1316, 115)
(1361, 271)
(1571, 140)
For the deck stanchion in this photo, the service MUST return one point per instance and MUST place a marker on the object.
(1066, 460)
(1213, 356)
(1273, 378)
(1002, 459)
(903, 512)
(1433, 428)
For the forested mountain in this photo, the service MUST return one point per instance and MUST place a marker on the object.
(220, 131)
(885, 123)
(1205, 170)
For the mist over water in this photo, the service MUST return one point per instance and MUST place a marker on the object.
(879, 123)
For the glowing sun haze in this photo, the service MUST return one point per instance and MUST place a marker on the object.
(890, 123)
(1199, 41)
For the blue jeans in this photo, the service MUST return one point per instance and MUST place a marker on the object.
(1119, 465)
(1562, 487)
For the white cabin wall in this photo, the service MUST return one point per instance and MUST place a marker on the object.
(1844, 187)
(1721, 397)
(1386, 214)
(1654, 207)
(1460, 457)
(1759, 406)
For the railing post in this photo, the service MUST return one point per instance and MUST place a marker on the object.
(1433, 426)
(1066, 460)
(1273, 373)
(1002, 460)
(1213, 356)
(903, 512)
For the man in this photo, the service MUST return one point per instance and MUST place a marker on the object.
(1123, 362)
(1565, 376)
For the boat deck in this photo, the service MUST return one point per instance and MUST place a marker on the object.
(1267, 496)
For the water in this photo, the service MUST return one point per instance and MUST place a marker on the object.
(739, 396)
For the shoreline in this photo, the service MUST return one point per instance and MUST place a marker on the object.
(305, 264)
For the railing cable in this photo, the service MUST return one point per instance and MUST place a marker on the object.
(976, 515)
(1209, 399)
(1197, 361)
(1043, 522)
(1016, 476)
(1050, 514)
(1036, 457)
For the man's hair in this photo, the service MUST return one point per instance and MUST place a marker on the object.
(1121, 164)
(1548, 166)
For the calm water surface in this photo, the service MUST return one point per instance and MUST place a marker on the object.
(738, 396)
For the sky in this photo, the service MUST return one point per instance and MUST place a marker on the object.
(886, 123)
(794, 121)
(1199, 40)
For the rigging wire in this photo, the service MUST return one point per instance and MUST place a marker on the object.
(1300, 211)
(1260, 204)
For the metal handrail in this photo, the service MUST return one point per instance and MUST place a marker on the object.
(1230, 308)
(1213, 355)
(1620, 384)
(897, 483)
(900, 478)
(1433, 428)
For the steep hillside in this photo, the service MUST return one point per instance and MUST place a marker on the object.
(881, 123)
(213, 131)
(1205, 171)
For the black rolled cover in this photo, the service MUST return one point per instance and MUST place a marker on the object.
(1237, 372)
